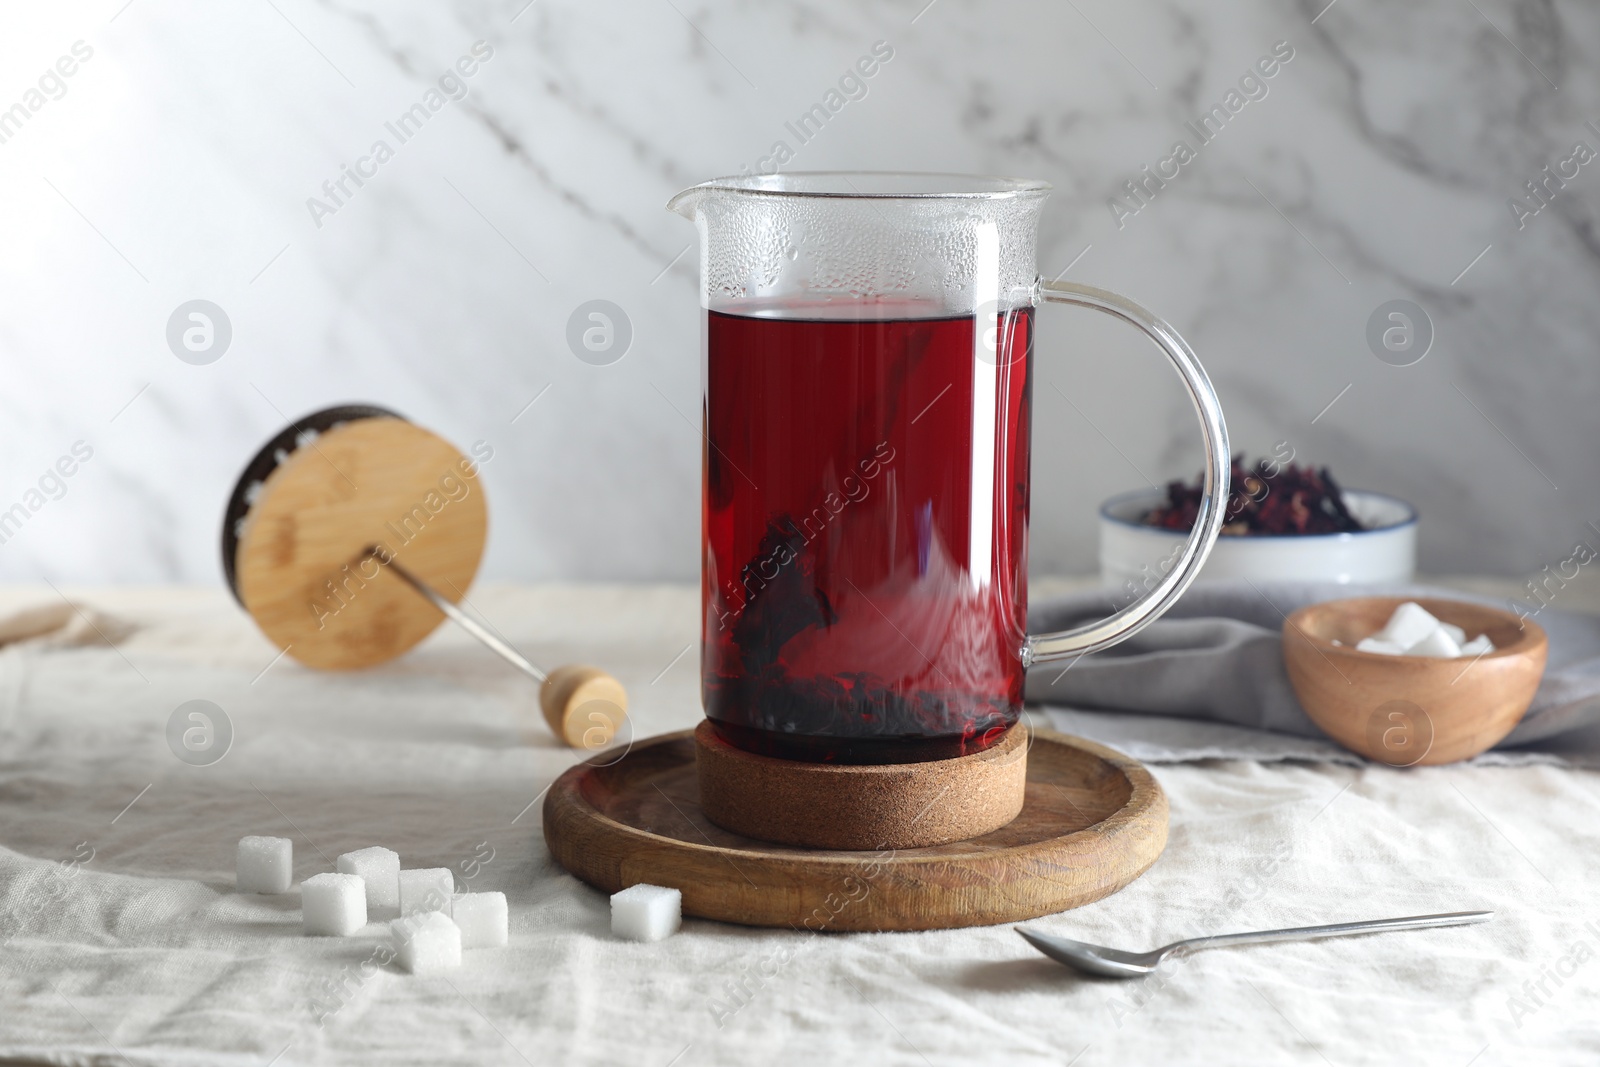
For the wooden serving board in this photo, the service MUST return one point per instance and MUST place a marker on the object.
(1092, 821)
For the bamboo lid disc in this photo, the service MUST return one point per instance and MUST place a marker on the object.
(1092, 821)
(297, 563)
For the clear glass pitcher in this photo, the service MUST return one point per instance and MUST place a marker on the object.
(868, 376)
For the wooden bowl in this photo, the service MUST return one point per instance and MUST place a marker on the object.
(1405, 710)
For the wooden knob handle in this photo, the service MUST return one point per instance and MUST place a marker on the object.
(584, 706)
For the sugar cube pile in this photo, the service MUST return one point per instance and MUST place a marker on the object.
(435, 922)
(427, 942)
(646, 912)
(1413, 631)
(483, 918)
(264, 865)
(426, 889)
(333, 904)
(379, 868)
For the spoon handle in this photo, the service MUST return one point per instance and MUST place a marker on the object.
(1302, 933)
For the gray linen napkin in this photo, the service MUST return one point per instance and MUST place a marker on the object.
(1217, 656)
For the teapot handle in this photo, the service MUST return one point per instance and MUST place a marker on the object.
(1094, 636)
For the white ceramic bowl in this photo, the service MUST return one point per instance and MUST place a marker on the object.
(1386, 551)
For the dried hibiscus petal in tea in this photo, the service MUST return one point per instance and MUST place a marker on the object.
(1266, 498)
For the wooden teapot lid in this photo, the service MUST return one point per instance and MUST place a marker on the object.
(315, 498)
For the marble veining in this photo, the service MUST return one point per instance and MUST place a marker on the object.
(1380, 162)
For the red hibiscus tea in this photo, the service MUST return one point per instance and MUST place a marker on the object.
(867, 414)
(865, 533)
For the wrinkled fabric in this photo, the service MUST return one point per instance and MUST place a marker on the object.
(122, 941)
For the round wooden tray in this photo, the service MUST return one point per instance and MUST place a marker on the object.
(1093, 820)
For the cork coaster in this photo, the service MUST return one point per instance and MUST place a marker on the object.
(854, 806)
(1092, 821)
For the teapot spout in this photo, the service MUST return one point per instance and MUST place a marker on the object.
(687, 203)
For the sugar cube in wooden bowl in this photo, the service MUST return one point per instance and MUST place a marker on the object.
(1404, 709)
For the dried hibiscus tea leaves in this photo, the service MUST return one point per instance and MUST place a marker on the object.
(1266, 498)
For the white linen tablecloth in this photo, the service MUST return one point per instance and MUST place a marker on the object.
(122, 941)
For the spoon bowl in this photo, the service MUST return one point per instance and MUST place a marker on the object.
(1095, 959)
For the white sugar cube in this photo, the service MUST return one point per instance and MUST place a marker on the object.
(484, 919)
(426, 889)
(1413, 631)
(646, 912)
(427, 943)
(1409, 624)
(379, 868)
(1436, 644)
(333, 904)
(265, 865)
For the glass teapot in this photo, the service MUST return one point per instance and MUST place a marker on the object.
(868, 375)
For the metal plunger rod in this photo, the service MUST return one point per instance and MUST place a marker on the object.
(459, 617)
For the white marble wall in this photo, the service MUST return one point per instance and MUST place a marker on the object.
(176, 162)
